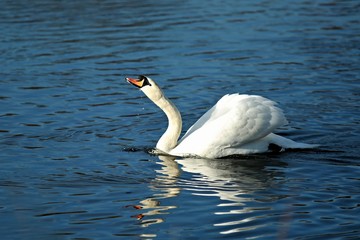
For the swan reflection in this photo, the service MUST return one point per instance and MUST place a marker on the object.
(165, 183)
(232, 181)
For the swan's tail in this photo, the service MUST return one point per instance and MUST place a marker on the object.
(288, 143)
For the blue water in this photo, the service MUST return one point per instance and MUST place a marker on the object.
(74, 135)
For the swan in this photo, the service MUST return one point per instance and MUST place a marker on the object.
(238, 124)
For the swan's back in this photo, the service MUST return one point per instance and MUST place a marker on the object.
(233, 122)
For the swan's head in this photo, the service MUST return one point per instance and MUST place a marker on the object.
(147, 86)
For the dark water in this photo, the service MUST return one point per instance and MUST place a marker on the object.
(74, 135)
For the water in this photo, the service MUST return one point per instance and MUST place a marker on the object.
(74, 135)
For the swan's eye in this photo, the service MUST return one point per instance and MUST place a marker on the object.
(145, 80)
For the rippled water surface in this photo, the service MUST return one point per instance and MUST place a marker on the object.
(74, 135)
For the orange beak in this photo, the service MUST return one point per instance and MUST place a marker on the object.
(140, 82)
(136, 82)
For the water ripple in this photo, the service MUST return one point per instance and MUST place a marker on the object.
(75, 137)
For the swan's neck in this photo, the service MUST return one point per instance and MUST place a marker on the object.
(168, 140)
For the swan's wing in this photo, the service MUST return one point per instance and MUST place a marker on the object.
(233, 121)
(222, 106)
(203, 119)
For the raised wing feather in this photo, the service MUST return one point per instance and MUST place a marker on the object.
(233, 121)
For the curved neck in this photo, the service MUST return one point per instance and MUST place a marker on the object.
(168, 140)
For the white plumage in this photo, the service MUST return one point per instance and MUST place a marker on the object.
(236, 124)
(234, 121)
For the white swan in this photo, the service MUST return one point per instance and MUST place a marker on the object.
(235, 125)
